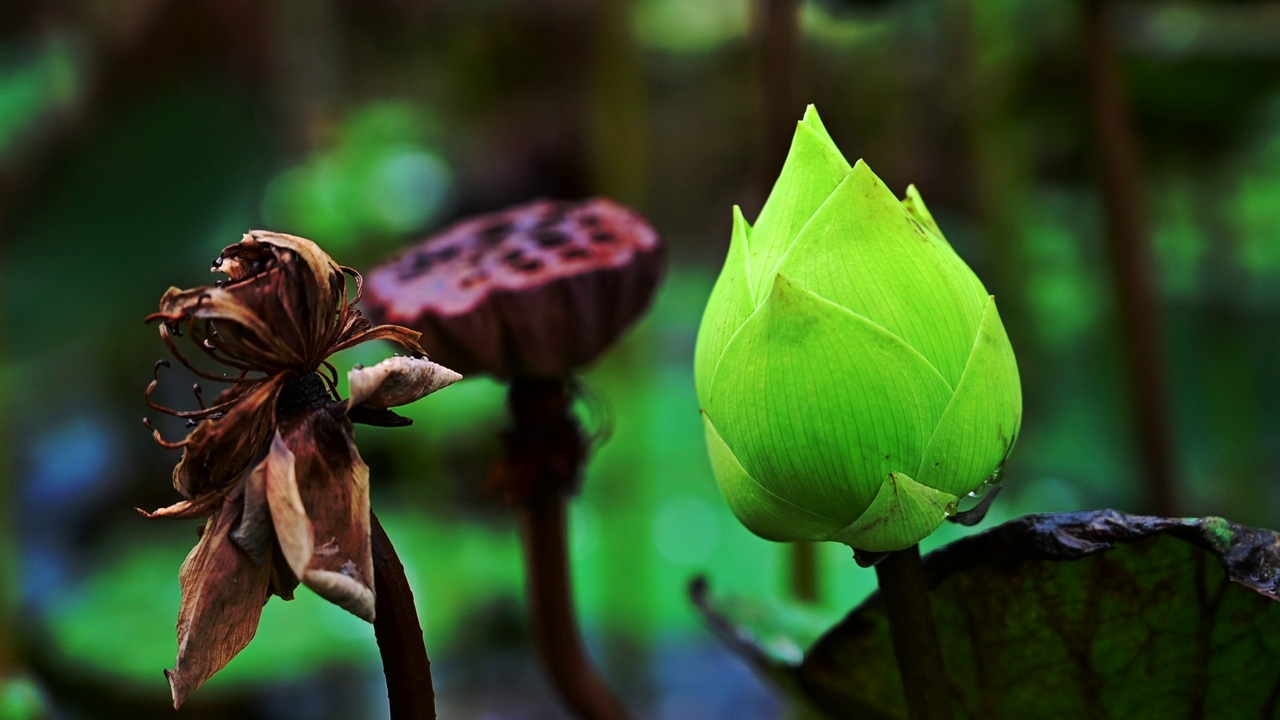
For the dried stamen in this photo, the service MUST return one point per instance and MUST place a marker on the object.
(146, 422)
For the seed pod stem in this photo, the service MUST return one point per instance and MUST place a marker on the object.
(404, 653)
(915, 635)
(541, 468)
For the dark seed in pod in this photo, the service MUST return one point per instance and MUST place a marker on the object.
(550, 238)
(549, 222)
(419, 264)
(575, 253)
(494, 234)
(445, 254)
(603, 237)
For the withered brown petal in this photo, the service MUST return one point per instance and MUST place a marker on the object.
(223, 592)
(333, 483)
(218, 450)
(246, 333)
(397, 381)
(198, 507)
(314, 295)
(288, 516)
(257, 528)
(360, 330)
(283, 307)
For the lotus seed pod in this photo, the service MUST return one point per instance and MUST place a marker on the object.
(854, 376)
(538, 290)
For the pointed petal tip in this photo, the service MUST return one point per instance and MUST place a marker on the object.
(740, 225)
(346, 592)
(903, 513)
(398, 381)
(177, 691)
(785, 288)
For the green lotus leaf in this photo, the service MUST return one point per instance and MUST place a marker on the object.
(819, 404)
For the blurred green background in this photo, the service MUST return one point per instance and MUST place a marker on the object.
(139, 138)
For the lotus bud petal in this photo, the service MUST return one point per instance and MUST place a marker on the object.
(854, 376)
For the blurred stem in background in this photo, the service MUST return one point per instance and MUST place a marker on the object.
(998, 158)
(540, 467)
(619, 107)
(619, 114)
(8, 518)
(779, 73)
(1129, 241)
(778, 33)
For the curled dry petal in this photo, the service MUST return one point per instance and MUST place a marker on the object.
(397, 381)
(223, 592)
(200, 507)
(333, 484)
(255, 532)
(283, 306)
(220, 449)
(288, 515)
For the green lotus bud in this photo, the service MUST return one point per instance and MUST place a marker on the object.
(854, 376)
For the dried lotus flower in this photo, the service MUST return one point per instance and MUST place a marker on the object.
(272, 461)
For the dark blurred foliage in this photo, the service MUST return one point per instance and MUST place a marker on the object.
(139, 138)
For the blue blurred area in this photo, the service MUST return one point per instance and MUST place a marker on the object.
(137, 140)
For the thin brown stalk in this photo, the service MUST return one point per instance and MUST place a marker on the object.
(553, 621)
(404, 652)
(1129, 238)
(539, 471)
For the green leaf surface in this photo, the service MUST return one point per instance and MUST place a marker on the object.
(728, 307)
(1070, 615)
(798, 365)
(863, 251)
(813, 169)
(981, 422)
